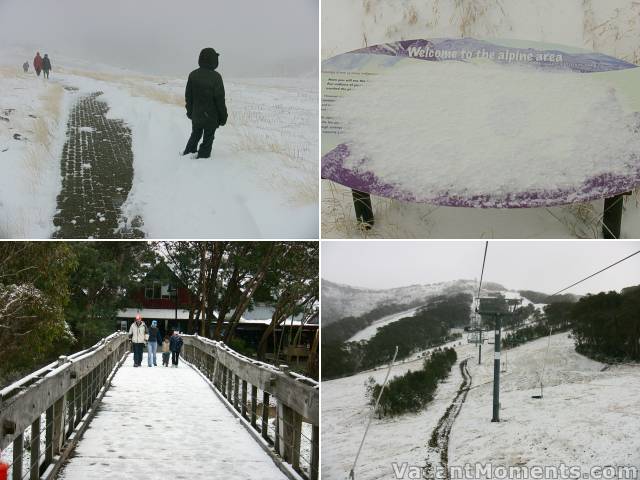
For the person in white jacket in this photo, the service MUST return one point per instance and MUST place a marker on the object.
(139, 334)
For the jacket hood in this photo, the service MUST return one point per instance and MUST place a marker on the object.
(208, 58)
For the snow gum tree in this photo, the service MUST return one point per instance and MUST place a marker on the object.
(34, 291)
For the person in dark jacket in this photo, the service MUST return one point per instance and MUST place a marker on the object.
(175, 345)
(37, 63)
(155, 339)
(46, 65)
(25, 66)
(205, 103)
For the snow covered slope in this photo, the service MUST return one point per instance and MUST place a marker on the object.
(340, 301)
(587, 418)
(370, 331)
(261, 181)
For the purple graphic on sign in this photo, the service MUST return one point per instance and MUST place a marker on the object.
(602, 186)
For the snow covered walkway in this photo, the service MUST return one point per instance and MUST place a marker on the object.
(166, 423)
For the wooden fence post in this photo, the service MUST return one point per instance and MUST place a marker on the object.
(18, 453)
(58, 425)
(265, 416)
(315, 452)
(289, 430)
(34, 471)
(254, 406)
(48, 443)
(244, 399)
(235, 392)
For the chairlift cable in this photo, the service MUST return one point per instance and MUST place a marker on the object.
(594, 274)
(484, 259)
(544, 359)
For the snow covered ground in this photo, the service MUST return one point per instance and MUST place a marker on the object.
(261, 181)
(370, 331)
(609, 27)
(33, 116)
(166, 422)
(588, 417)
(345, 411)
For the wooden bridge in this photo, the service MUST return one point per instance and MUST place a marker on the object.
(218, 415)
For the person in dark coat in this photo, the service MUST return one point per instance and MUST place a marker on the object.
(205, 103)
(175, 345)
(25, 66)
(46, 65)
(37, 63)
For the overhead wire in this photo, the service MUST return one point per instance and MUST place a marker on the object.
(544, 359)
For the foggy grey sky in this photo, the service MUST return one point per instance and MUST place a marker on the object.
(254, 37)
(545, 266)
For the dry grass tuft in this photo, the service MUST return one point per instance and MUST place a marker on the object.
(296, 175)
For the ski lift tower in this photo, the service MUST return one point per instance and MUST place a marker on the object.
(496, 307)
(475, 332)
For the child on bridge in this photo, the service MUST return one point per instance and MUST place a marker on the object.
(175, 345)
(166, 352)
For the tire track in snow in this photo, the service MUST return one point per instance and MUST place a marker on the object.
(438, 448)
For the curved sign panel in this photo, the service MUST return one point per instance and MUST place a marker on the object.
(464, 122)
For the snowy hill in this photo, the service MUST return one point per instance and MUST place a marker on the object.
(588, 416)
(339, 301)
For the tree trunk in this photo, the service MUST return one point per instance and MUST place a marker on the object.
(248, 293)
(232, 287)
(203, 288)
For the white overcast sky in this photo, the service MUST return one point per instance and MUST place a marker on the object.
(545, 266)
(254, 37)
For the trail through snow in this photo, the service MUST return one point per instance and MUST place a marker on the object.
(588, 417)
(261, 181)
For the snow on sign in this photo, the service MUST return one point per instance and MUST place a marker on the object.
(464, 122)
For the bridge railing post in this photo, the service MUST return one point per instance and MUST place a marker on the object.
(224, 381)
(58, 425)
(254, 406)
(315, 452)
(18, 454)
(265, 416)
(244, 399)
(236, 401)
(34, 470)
(48, 443)
(71, 414)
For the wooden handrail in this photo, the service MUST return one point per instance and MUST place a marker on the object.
(237, 378)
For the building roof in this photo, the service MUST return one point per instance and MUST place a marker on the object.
(252, 317)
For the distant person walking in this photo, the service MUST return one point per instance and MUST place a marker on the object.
(205, 103)
(139, 334)
(175, 345)
(152, 346)
(25, 66)
(46, 65)
(37, 63)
